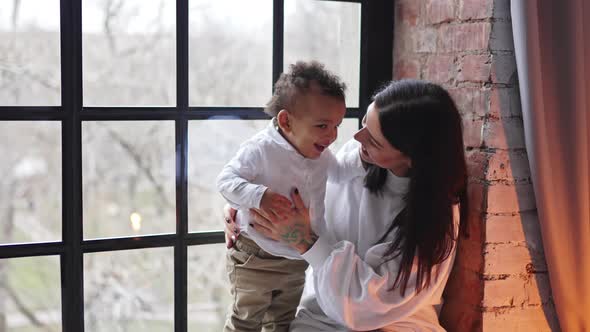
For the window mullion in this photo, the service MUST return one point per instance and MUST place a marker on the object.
(181, 137)
(71, 260)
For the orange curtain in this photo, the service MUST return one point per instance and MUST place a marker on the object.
(552, 45)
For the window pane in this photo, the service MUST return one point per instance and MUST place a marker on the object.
(129, 52)
(128, 178)
(345, 133)
(30, 294)
(208, 288)
(230, 50)
(212, 143)
(30, 185)
(29, 53)
(328, 32)
(131, 290)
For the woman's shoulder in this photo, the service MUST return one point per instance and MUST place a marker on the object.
(347, 163)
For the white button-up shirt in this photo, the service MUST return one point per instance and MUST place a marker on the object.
(268, 160)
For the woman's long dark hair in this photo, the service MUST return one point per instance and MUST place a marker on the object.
(421, 120)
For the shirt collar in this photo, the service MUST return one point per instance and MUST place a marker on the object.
(275, 135)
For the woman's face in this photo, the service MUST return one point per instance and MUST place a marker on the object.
(376, 149)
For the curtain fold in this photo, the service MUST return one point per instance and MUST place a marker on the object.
(552, 47)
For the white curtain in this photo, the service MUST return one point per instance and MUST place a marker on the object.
(552, 45)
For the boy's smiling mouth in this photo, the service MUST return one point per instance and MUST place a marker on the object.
(320, 147)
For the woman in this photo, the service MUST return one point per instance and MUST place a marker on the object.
(384, 256)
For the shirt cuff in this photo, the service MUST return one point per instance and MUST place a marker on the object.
(318, 253)
(257, 197)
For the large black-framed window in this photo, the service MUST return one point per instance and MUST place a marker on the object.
(375, 67)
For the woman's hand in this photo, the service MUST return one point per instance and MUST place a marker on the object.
(294, 229)
(231, 229)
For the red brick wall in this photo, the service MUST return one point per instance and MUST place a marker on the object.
(499, 282)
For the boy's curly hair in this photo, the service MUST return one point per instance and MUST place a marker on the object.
(298, 81)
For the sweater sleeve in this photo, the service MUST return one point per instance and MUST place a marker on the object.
(356, 292)
(235, 180)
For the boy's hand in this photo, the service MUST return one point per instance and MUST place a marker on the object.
(275, 204)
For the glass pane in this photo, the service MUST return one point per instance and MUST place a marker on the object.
(30, 185)
(128, 178)
(131, 290)
(29, 53)
(129, 52)
(206, 161)
(230, 50)
(328, 32)
(30, 294)
(345, 133)
(208, 288)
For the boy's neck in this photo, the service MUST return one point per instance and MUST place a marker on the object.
(282, 133)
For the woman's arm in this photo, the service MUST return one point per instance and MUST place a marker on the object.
(231, 228)
(355, 291)
(293, 229)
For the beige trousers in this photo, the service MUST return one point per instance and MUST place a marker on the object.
(266, 289)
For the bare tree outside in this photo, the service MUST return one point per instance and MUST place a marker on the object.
(129, 55)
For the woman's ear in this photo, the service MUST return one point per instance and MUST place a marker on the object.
(284, 121)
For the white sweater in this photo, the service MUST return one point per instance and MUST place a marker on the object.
(349, 287)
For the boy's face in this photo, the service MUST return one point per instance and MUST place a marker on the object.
(313, 124)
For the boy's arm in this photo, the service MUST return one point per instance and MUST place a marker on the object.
(235, 180)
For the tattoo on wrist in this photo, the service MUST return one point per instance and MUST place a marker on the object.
(296, 237)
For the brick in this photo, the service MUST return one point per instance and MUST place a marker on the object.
(538, 289)
(474, 68)
(476, 193)
(475, 9)
(440, 68)
(501, 38)
(523, 228)
(505, 102)
(470, 253)
(458, 316)
(509, 259)
(509, 166)
(509, 292)
(502, 229)
(425, 40)
(510, 198)
(406, 67)
(439, 11)
(504, 134)
(532, 230)
(408, 11)
(403, 45)
(517, 291)
(476, 223)
(464, 286)
(534, 318)
(471, 102)
(477, 163)
(464, 37)
(472, 132)
(504, 69)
